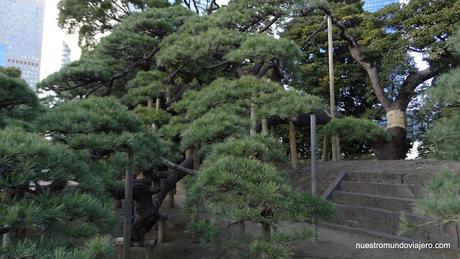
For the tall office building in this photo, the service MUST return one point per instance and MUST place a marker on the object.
(21, 29)
(374, 5)
(66, 53)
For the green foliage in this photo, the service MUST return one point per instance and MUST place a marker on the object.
(354, 129)
(26, 157)
(102, 131)
(238, 93)
(103, 69)
(444, 98)
(47, 190)
(145, 86)
(214, 126)
(237, 185)
(444, 137)
(441, 203)
(261, 148)
(290, 103)
(17, 101)
(98, 247)
(90, 18)
(151, 116)
(263, 48)
(309, 206)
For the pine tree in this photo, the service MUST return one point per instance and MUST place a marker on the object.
(442, 200)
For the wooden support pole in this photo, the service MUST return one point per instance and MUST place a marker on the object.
(325, 151)
(161, 230)
(242, 227)
(196, 160)
(264, 126)
(313, 139)
(252, 130)
(266, 228)
(128, 207)
(292, 144)
(331, 82)
(157, 104)
(150, 102)
(339, 149)
(171, 198)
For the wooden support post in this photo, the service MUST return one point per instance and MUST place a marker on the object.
(252, 129)
(161, 230)
(339, 149)
(157, 104)
(325, 151)
(313, 153)
(128, 207)
(171, 198)
(331, 82)
(264, 126)
(188, 153)
(196, 160)
(266, 228)
(150, 102)
(292, 144)
(242, 227)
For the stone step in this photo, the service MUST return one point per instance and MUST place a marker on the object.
(385, 189)
(373, 201)
(375, 219)
(388, 222)
(377, 177)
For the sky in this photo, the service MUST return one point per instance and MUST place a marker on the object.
(53, 38)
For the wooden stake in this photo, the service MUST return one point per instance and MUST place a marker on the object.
(326, 143)
(264, 126)
(313, 153)
(292, 144)
(150, 103)
(161, 230)
(331, 82)
(128, 207)
(171, 199)
(157, 104)
(252, 130)
(266, 230)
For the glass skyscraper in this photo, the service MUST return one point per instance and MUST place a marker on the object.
(21, 29)
(374, 5)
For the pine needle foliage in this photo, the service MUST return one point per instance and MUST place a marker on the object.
(47, 195)
(441, 203)
(355, 129)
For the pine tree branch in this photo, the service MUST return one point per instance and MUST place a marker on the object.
(177, 167)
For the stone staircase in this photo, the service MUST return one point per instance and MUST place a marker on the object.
(373, 201)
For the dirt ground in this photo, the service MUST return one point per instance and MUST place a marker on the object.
(332, 244)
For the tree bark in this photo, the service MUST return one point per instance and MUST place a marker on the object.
(142, 193)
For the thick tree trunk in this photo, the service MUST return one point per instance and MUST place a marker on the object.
(395, 148)
(292, 144)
